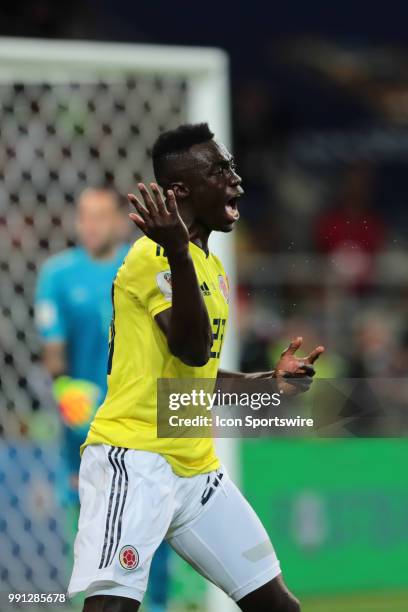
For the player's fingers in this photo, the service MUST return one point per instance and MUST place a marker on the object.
(305, 369)
(148, 200)
(315, 354)
(293, 346)
(132, 198)
(297, 374)
(138, 220)
(143, 212)
(171, 202)
(160, 204)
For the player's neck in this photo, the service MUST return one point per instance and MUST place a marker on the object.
(106, 254)
(199, 235)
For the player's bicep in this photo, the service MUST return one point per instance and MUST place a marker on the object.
(163, 321)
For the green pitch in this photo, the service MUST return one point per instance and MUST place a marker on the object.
(358, 603)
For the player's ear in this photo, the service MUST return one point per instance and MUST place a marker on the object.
(181, 191)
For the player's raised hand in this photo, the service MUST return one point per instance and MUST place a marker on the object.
(160, 220)
(295, 374)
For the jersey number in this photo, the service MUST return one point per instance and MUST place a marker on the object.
(218, 336)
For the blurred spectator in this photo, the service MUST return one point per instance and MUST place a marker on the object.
(399, 358)
(372, 347)
(352, 232)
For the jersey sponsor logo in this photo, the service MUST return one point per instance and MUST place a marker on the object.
(129, 557)
(223, 283)
(205, 289)
(210, 488)
(164, 283)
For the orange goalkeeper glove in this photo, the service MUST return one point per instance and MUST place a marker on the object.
(77, 400)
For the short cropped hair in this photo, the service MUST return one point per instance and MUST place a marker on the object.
(171, 144)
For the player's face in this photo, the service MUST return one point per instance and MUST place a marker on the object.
(99, 222)
(214, 187)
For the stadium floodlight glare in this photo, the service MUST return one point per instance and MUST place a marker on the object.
(40, 76)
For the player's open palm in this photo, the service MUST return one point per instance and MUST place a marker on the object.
(160, 220)
(295, 374)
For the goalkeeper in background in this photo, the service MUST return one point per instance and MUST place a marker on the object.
(73, 311)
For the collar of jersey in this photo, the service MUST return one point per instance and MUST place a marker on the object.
(200, 249)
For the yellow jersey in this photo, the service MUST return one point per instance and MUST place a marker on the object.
(139, 355)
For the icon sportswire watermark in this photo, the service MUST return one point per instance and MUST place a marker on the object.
(240, 408)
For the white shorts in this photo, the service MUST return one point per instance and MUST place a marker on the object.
(131, 500)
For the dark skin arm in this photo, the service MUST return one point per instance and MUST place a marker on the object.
(291, 374)
(186, 324)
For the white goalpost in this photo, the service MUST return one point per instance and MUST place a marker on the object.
(117, 97)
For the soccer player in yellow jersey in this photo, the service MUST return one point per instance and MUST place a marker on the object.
(170, 307)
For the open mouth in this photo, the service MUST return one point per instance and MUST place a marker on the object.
(231, 209)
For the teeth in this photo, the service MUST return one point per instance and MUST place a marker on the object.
(232, 212)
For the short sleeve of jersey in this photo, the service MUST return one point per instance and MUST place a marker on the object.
(146, 276)
(48, 308)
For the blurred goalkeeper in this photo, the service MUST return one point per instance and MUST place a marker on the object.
(73, 311)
